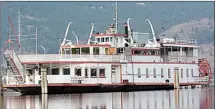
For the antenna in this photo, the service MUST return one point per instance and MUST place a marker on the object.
(116, 18)
(20, 37)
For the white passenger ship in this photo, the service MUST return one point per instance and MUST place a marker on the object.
(111, 62)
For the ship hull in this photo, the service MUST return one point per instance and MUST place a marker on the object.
(93, 88)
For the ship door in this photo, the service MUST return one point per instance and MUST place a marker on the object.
(113, 73)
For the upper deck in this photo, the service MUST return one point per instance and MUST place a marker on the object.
(66, 58)
(111, 46)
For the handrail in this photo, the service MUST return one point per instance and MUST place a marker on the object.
(11, 57)
(69, 57)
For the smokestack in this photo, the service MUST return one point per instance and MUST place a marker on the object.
(126, 29)
(126, 33)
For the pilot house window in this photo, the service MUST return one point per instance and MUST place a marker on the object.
(111, 39)
(107, 39)
(98, 39)
(102, 39)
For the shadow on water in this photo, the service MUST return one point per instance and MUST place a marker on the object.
(174, 99)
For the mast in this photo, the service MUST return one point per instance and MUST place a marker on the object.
(19, 30)
(36, 40)
(116, 18)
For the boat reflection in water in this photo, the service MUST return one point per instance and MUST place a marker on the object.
(174, 99)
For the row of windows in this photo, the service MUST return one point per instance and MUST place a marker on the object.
(106, 39)
(78, 72)
(162, 73)
(145, 52)
(187, 72)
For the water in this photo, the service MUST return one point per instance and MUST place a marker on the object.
(174, 99)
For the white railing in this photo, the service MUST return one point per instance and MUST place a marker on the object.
(190, 41)
(189, 59)
(202, 79)
(68, 57)
(179, 41)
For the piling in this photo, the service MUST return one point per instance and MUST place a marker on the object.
(44, 101)
(1, 88)
(176, 78)
(1, 102)
(177, 103)
(44, 82)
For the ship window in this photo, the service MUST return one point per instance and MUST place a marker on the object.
(75, 50)
(162, 73)
(187, 73)
(106, 50)
(120, 50)
(102, 39)
(157, 53)
(93, 72)
(55, 71)
(111, 39)
(101, 72)
(139, 71)
(137, 52)
(169, 74)
(113, 70)
(98, 39)
(147, 73)
(77, 71)
(96, 50)
(67, 51)
(85, 50)
(192, 72)
(152, 52)
(30, 71)
(107, 39)
(154, 72)
(181, 73)
(66, 71)
(86, 72)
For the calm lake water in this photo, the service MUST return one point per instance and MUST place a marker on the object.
(174, 99)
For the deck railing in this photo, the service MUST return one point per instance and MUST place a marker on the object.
(179, 41)
(189, 59)
(68, 57)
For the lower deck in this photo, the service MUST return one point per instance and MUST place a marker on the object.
(109, 73)
(105, 77)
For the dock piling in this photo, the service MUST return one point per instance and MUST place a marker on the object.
(44, 101)
(176, 78)
(44, 84)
